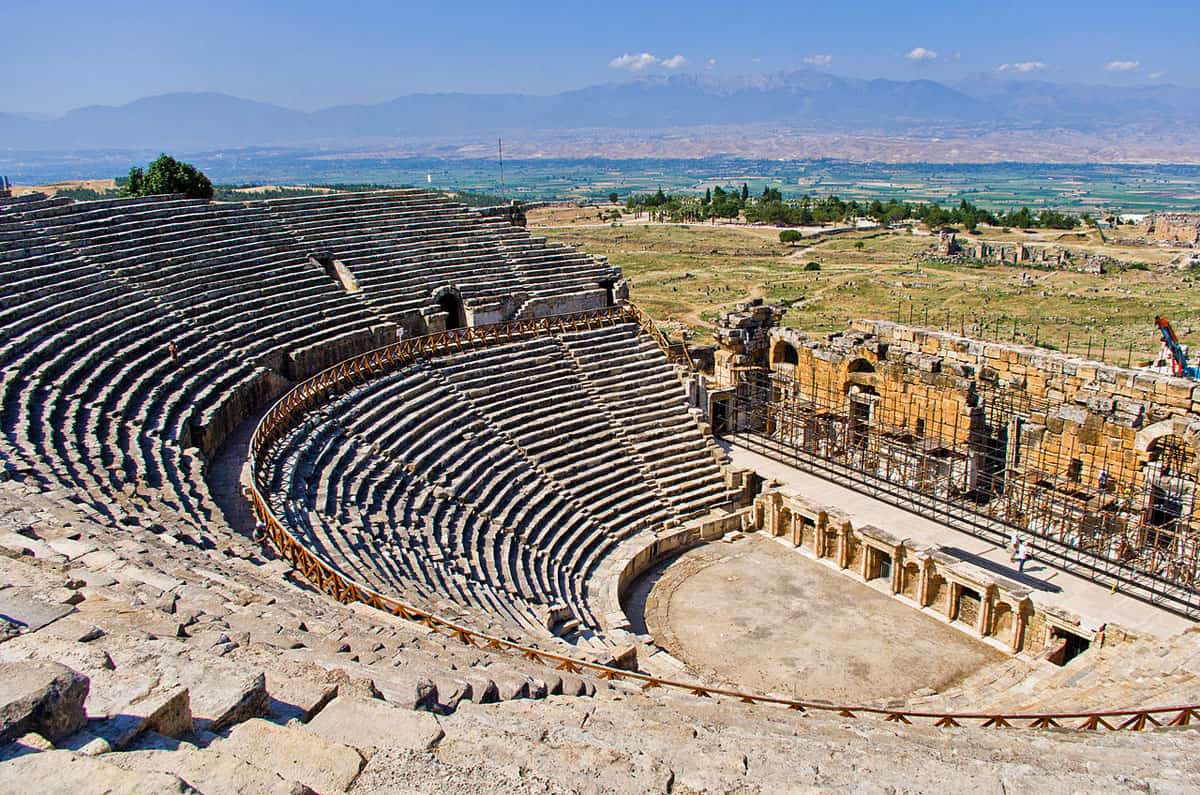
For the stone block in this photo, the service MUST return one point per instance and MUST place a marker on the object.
(27, 609)
(65, 773)
(376, 724)
(299, 696)
(294, 753)
(165, 711)
(223, 694)
(42, 697)
(208, 770)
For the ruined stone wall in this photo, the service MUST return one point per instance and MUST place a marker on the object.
(913, 392)
(948, 247)
(1105, 416)
(1174, 227)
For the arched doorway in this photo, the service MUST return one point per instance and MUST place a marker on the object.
(450, 302)
(785, 353)
(610, 294)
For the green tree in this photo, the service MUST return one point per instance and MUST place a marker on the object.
(612, 197)
(168, 175)
(790, 236)
(745, 192)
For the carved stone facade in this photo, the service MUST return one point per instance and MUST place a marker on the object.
(980, 602)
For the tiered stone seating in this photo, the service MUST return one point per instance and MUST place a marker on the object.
(643, 398)
(488, 484)
(91, 396)
(403, 245)
(138, 330)
(535, 471)
(227, 268)
(270, 679)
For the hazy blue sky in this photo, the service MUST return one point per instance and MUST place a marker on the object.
(304, 54)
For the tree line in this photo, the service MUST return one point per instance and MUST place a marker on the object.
(771, 208)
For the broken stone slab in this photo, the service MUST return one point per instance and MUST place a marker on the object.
(222, 697)
(208, 770)
(165, 711)
(451, 691)
(47, 646)
(24, 545)
(623, 657)
(408, 690)
(510, 685)
(65, 773)
(28, 610)
(70, 548)
(85, 743)
(31, 743)
(132, 574)
(376, 724)
(294, 753)
(42, 697)
(298, 695)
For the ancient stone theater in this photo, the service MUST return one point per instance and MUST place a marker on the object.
(372, 492)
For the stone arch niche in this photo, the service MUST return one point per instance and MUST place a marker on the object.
(1003, 621)
(910, 581)
(609, 288)
(450, 302)
(784, 352)
(1170, 480)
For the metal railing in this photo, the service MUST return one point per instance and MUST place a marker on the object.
(356, 371)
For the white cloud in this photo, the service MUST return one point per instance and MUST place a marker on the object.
(921, 54)
(1157, 75)
(634, 63)
(819, 60)
(711, 63)
(1122, 66)
(1024, 67)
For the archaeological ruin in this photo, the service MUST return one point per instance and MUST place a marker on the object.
(326, 494)
(1174, 227)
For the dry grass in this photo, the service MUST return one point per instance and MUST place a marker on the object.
(691, 274)
(99, 185)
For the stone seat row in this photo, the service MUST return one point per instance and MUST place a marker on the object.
(515, 457)
(413, 547)
(487, 477)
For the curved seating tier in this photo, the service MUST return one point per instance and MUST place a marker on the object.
(403, 245)
(136, 333)
(498, 477)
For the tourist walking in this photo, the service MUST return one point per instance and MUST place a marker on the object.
(1022, 555)
(1012, 546)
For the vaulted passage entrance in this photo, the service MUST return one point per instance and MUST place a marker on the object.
(452, 305)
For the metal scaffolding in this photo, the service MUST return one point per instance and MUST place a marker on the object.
(984, 466)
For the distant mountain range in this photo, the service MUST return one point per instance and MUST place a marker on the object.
(805, 99)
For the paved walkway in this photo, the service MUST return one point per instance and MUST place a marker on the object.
(1095, 604)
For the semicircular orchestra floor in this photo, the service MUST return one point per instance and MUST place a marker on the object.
(756, 613)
